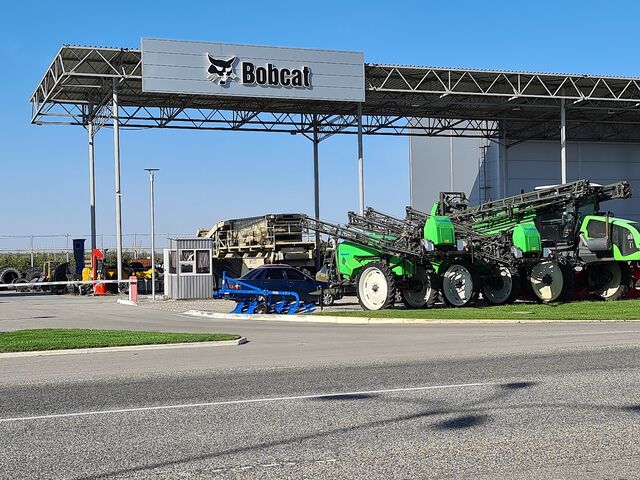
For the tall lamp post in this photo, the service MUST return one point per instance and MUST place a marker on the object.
(152, 172)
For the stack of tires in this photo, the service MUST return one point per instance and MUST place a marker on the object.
(9, 276)
(13, 276)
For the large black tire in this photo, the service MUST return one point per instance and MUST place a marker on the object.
(32, 273)
(420, 295)
(460, 284)
(17, 282)
(376, 287)
(608, 281)
(502, 289)
(552, 282)
(8, 275)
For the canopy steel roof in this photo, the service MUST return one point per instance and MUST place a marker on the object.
(400, 100)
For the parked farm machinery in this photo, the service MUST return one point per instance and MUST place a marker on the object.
(531, 243)
(251, 299)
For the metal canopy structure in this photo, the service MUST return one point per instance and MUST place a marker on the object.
(400, 100)
(95, 87)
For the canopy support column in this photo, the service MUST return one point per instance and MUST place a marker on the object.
(118, 192)
(563, 141)
(504, 167)
(451, 179)
(92, 185)
(316, 186)
(360, 162)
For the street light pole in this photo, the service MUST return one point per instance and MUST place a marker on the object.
(152, 172)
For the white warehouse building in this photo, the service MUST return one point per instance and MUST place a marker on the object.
(485, 171)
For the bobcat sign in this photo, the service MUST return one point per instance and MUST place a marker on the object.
(222, 70)
(202, 68)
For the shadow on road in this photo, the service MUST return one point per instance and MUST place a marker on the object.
(348, 396)
(466, 417)
(8, 293)
(517, 385)
(632, 408)
(464, 421)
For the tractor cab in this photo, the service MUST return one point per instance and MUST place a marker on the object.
(450, 202)
(561, 224)
(605, 237)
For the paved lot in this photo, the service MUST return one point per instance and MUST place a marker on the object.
(322, 401)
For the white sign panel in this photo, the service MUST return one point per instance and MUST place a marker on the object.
(203, 68)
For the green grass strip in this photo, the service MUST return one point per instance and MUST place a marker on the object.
(67, 338)
(579, 310)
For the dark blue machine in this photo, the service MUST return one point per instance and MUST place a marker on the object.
(78, 254)
(251, 299)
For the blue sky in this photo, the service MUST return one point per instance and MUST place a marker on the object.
(208, 176)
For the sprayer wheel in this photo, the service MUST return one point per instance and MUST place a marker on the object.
(552, 281)
(504, 288)
(460, 284)
(608, 280)
(376, 286)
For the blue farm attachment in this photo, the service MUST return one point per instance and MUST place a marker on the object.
(250, 299)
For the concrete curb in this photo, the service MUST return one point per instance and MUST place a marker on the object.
(377, 321)
(127, 348)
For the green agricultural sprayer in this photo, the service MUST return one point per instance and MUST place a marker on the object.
(529, 243)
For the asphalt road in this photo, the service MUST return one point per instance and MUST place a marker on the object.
(322, 401)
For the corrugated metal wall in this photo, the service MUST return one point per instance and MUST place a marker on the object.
(182, 287)
(430, 170)
(529, 164)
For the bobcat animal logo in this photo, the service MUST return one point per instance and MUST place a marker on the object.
(221, 71)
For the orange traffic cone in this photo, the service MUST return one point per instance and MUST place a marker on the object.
(100, 289)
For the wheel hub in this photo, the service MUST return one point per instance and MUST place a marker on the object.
(373, 289)
(458, 285)
(499, 288)
(606, 280)
(547, 281)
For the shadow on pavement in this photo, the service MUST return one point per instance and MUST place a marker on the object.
(348, 396)
(466, 417)
(464, 421)
(8, 293)
(517, 385)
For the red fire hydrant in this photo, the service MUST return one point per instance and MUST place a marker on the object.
(133, 288)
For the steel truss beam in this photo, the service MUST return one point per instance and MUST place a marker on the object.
(510, 85)
(399, 101)
(202, 119)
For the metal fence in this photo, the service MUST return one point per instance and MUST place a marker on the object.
(59, 247)
(62, 242)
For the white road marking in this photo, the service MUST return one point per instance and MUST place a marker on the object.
(241, 402)
(271, 465)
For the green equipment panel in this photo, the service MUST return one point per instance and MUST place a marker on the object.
(352, 257)
(526, 237)
(439, 230)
